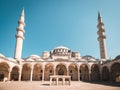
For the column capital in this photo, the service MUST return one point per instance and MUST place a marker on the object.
(9, 69)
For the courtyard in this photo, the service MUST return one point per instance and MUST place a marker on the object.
(45, 85)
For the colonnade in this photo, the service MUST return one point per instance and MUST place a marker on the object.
(41, 73)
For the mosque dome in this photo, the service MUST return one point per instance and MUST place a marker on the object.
(117, 57)
(34, 57)
(61, 47)
(61, 51)
(88, 57)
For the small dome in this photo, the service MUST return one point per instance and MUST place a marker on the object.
(11, 59)
(117, 57)
(88, 57)
(1, 55)
(29, 59)
(34, 56)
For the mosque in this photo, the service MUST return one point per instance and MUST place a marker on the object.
(59, 61)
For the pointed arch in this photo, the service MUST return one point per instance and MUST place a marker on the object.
(4, 70)
(49, 70)
(26, 68)
(95, 72)
(115, 72)
(37, 72)
(61, 69)
(84, 72)
(73, 71)
(15, 73)
(105, 73)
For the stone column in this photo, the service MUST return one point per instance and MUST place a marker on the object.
(78, 75)
(57, 80)
(31, 74)
(101, 75)
(43, 74)
(20, 73)
(54, 72)
(51, 81)
(63, 81)
(90, 75)
(67, 71)
(9, 74)
(110, 76)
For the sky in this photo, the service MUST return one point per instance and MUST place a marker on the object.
(52, 23)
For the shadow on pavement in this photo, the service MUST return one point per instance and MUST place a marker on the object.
(107, 83)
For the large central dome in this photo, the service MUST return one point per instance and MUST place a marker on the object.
(61, 47)
(61, 52)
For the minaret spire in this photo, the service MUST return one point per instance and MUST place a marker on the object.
(99, 15)
(20, 36)
(101, 38)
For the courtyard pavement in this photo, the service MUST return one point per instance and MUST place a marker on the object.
(75, 85)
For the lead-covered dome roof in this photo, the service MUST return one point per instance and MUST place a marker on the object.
(61, 51)
(117, 57)
(61, 47)
(88, 57)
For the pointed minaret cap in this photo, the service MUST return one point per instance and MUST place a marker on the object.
(99, 15)
(22, 14)
(22, 17)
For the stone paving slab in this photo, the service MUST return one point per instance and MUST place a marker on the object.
(38, 85)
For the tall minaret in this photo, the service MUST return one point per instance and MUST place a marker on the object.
(20, 36)
(101, 38)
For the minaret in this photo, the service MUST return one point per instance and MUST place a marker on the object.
(101, 38)
(20, 36)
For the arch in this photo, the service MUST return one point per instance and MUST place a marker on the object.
(73, 71)
(115, 72)
(26, 69)
(15, 73)
(49, 70)
(38, 63)
(61, 69)
(61, 64)
(37, 72)
(4, 70)
(84, 72)
(105, 73)
(95, 72)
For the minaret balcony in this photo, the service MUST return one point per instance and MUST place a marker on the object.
(19, 36)
(101, 37)
(20, 29)
(100, 25)
(21, 22)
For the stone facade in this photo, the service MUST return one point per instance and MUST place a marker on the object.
(59, 61)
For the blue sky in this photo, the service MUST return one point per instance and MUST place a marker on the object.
(52, 23)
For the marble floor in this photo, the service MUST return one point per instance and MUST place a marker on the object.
(45, 85)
